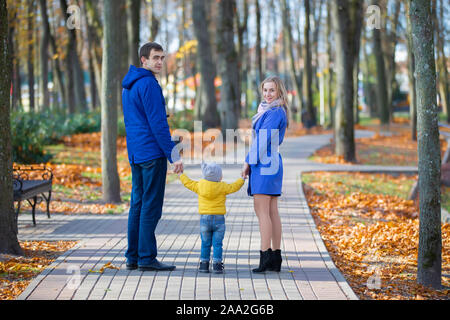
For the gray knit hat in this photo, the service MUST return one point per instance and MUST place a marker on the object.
(211, 171)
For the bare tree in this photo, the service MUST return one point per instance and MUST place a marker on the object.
(133, 22)
(430, 239)
(411, 77)
(382, 91)
(230, 93)
(259, 67)
(443, 77)
(307, 80)
(207, 94)
(74, 71)
(242, 51)
(110, 78)
(287, 33)
(30, 60)
(347, 20)
(45, 40)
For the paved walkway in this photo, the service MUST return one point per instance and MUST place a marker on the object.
(307, 271)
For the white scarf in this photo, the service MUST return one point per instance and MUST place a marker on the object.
(263, 107)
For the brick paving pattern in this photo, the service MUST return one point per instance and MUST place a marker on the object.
(307, 270)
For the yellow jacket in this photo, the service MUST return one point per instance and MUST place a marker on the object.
(211, 195)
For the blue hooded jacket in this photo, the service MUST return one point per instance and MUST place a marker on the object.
(144, 111)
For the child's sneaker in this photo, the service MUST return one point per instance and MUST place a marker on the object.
(204, 267)
(218, 267)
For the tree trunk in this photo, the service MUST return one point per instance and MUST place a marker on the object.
(315, 38)
(133, 22)
(207, 90)
(242, 52)
(258, 46)
(382, 92)
(230, 93)
(329, 73)
(154, 22)
(74, 70)
(30, 64)
(95, 34)
(13, 45)
(347, 19)
(442, 63)
(430, 242)
(411, 77)
(8, 227)
(45, 95)
(109, 101)
(287, 34)
(307, 80)
(392, 65)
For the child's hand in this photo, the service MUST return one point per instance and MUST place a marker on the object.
(245, 171)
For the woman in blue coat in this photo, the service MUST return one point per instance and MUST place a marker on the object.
(264, 167)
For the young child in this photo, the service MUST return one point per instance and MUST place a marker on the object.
(211, 206)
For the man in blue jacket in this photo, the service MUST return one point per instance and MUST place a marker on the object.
(149, 147)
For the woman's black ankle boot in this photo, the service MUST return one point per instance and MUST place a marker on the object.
(265, 258)
(276, 261)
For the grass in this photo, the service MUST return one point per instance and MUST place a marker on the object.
(371, 231)
(344, 183)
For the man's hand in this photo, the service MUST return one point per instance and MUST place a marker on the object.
(178, 167)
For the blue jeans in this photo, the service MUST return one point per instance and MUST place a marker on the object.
(212, 232)
(147, 196)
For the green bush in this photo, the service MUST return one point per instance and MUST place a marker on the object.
(30, 132)
(182, 120)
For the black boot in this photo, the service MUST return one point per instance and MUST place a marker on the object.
(204, 267)
(264, 261)
(276, 260)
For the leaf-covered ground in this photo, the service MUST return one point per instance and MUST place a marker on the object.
(16, 272)
(371, 232)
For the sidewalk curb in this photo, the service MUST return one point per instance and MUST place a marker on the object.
(340, 279)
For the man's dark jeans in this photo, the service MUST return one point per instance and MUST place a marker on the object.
(147, 196)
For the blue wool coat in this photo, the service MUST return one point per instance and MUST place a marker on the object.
(144, 111)
(266, 166)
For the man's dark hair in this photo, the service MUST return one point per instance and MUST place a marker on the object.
(147, 48)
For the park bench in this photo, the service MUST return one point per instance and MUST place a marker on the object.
(33, 184)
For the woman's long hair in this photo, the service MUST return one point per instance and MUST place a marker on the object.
(281, 91)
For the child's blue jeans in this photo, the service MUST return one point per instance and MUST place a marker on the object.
(212, 232)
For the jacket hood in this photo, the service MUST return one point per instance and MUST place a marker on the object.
(133, 75)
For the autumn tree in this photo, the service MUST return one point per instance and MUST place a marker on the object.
(411, 77)
(133, 28)
(307, 74)
(230, 93)
(8, 225)
(287, 33)
(430, 241)
(44, 43)
(347, 20)
(76, 93)
(207, 95)
(382, 91)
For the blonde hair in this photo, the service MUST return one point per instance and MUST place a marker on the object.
(281, 91)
